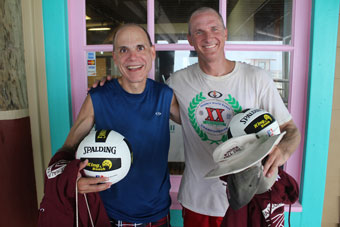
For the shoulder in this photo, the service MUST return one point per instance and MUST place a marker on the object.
(158, 86)
(254, 72)
(102, 89)
(185, 72)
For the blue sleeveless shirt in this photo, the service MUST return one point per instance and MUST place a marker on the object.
(143, 119)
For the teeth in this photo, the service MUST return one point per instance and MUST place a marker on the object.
(210, 46)
(134, 67)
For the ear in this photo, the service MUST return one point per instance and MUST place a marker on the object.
(153, 52)
(114, 56)
(190, 40)
(226, 34)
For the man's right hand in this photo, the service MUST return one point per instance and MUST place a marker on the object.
(100, 82)
(91, 184)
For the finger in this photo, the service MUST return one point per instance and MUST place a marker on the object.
(271, 171)
(103, 81)
(109, 77)
(86, 185)
(95, 84)
(268, 164)
(95, 188)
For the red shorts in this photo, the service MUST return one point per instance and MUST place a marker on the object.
(193, 219)
(163, 222)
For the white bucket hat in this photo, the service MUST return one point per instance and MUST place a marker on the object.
(239, 153)
(240, 158)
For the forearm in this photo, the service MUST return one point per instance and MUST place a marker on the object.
(290, 141)
(81, 127)
(174, 110)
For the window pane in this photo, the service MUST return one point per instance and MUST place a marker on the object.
(277, 63)
(99, 65)
(259, 20)
(104, 16)
(171, 18)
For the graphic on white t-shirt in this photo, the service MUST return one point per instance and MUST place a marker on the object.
(210, 114)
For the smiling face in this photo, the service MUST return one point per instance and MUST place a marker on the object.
(133, 54)
(207, 35)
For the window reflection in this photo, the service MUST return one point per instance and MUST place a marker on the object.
(99, 65)
(104, 16)
(255, 20)
(171, 18)
(259, 20)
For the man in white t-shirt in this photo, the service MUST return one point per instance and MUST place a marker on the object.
(209, 94)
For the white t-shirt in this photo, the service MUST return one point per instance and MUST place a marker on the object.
(207, 104)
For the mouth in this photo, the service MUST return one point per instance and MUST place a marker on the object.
(210, 46)
(134, 67)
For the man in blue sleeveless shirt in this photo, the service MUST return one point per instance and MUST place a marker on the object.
(139, 109)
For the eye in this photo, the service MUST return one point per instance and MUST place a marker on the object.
(140, 47)
(123, 50)
(214, 29)
(198, 33)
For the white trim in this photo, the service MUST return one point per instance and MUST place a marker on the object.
(13, 114)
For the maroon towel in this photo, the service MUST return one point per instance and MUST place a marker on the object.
(58, 206)
(266, 209)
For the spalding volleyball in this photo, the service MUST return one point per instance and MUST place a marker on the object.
(253, 121)
(108, 154)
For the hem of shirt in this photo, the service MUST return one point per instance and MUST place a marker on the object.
(212, 214)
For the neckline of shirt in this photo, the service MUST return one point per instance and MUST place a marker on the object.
(131, 94)
(218, 78)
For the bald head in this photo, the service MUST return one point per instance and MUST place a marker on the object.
(124, 26)
(201, 11)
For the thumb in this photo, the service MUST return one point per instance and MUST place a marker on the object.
(83, 164)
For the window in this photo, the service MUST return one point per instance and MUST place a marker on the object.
(264, 33)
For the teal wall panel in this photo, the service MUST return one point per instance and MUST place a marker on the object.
(57, 70)
(324, 26)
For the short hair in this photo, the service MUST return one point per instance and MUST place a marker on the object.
(202, 10)
(120, 27)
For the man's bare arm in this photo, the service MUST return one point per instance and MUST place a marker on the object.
(174, 110)
(79, 130)
(82, 125)
(284, 149)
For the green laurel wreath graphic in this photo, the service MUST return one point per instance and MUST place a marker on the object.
(234, 104)
(191, 112)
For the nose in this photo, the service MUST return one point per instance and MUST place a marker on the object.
(208, 35)
(133, 54)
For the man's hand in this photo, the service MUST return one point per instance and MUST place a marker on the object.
(275, 159)
(280, 154)
(100, 82)
(91, 184)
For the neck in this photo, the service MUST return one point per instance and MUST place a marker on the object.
(217, 68)
(132, 87)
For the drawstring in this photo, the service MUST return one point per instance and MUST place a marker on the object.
(88, 210)
(289, 214)
(270, 211)
(77, 209)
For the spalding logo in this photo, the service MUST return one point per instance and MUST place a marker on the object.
(106, 149)
(251, 113)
